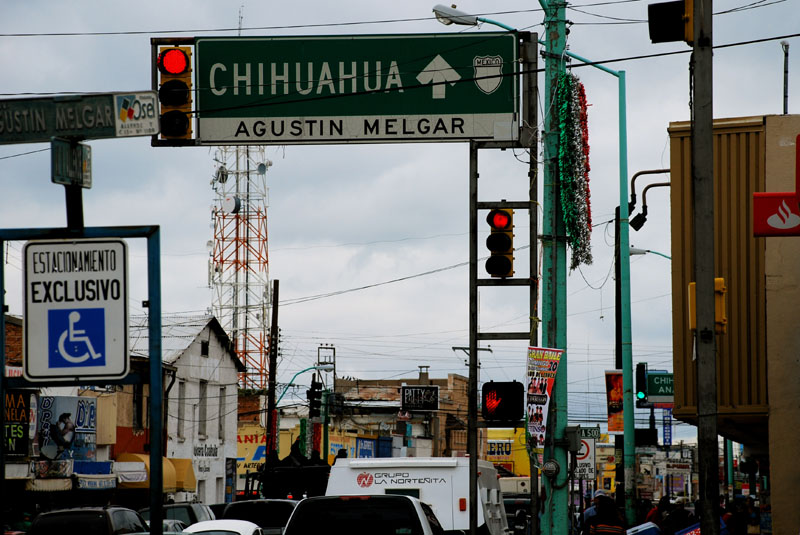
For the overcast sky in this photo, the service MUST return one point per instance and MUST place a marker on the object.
(344, 217)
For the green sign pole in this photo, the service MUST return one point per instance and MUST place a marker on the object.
(554, 285)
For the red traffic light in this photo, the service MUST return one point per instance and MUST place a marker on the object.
(173, 61)
(499, 219)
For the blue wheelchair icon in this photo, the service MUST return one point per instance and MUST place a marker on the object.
(76, 337)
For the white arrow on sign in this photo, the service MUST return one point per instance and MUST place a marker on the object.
(438, 72)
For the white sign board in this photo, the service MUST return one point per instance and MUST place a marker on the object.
(76, 309)
(585, 467)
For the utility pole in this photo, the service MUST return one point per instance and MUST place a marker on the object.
(554, 295)
(272, 424)
(701, 72)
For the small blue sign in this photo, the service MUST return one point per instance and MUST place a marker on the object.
(76, 337)
(667, 424)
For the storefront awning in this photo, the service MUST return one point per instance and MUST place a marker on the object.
(185, 479)
(48, 485)
(168, 472)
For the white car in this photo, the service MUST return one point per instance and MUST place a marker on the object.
(224, 527)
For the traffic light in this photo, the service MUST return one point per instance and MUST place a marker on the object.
(641, 382)
(314, 395)
(174, 65)
(503, 401)
(500, 242)
(671, 21)
(720, 316)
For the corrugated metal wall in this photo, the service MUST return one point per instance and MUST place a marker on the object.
(739, 170)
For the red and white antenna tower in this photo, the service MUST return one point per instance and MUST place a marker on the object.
(239, 265)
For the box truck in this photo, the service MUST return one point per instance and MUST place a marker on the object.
(441, 482)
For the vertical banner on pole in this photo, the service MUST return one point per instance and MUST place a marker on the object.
(667, 421)
(541, 374)
(614, 401)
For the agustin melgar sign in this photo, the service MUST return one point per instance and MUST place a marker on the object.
(357, 88)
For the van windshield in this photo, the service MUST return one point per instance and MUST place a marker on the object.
(345, 515)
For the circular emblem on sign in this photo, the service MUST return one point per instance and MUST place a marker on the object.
(364, 480)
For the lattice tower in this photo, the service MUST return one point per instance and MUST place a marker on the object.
(239, 265)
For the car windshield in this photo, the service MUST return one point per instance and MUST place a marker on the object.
(218, 532)
(375, 515)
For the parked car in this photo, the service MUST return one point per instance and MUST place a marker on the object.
(225, 527)
(217, 509)
(380, 514)
(188, 513)
(270, 514)
(94, 520)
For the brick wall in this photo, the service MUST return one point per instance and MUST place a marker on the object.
(13, 341)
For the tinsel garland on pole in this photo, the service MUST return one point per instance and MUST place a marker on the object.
(573, 167)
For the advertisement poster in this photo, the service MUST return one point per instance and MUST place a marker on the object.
(68, 427)
(616, 424)
(541, 374)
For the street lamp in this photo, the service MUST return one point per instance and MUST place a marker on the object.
(636, 250)
(450, 15)
(321, 367)
(638, 221)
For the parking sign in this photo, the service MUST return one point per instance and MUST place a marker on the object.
(76, 311)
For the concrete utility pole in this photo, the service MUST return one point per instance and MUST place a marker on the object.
(554, 285)
(701, 72)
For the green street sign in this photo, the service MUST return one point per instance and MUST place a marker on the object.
(36, 120)
(660, 387)
(357, 88)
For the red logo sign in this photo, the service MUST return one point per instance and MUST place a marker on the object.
(778, 214)
(364, 480)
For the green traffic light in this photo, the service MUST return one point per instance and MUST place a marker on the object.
(640, 395)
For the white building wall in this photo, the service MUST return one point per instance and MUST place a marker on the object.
(208, 450)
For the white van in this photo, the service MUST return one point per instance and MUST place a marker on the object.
(441, 482)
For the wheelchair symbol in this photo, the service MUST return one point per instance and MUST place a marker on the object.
(74, 335)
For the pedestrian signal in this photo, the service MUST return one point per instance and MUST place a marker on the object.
(503, 401)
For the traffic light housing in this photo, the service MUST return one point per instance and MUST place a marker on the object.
(720, 316)
(503, 401)
(314, 395)
(500, 243)
(671, 21)
(641, 382)
(174, 64)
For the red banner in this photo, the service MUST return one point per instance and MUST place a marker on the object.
(614, 401)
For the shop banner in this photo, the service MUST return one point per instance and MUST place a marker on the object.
(616, 424)
(541, 374)
(68, 427)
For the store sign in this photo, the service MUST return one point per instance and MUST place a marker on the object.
(420, 398)
(17, 422)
